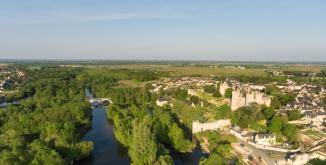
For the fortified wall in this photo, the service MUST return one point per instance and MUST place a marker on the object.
(215, 125)
(224, 86)
(245, 94)
(240, 98)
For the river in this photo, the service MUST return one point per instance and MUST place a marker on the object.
(107, 150)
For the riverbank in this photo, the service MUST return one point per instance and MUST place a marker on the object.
(107, 150)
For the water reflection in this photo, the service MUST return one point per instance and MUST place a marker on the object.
(107, 150)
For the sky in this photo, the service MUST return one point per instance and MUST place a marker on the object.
(221, 30)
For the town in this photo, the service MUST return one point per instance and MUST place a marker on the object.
(300, 108)
(10, 79)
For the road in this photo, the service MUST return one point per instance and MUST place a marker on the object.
(258, 153)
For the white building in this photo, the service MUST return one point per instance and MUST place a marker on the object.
(161, 102)
(265, 139)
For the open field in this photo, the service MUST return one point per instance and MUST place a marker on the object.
(187, 70)
(298, 67)
(106, 72)
(207, 71)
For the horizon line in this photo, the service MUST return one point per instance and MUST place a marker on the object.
(158, 60)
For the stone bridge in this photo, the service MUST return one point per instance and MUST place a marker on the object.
(95, 102)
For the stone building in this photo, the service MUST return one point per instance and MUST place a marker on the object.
(266, 139)
(245, 94)
(241, 97)
(224, 86)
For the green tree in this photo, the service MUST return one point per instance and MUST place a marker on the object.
(271, 90)
(181, 94)
(268, 112)
(277, 123)
(228, 93)
(246, 115)
(223, 112)
(317, 161)
(210, 88)
(286, 98)
(213, 159)
(42, 154)
(144, 148)
(294, 115)
(165, 160)
(217, 94)
(194, 99)
(275, 103)
(291, 132)
(178, 139)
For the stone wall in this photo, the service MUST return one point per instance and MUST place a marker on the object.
(223, 86)
(215, 125)
(240, 99)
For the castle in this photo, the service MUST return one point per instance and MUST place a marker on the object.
(243, 95)
(240, 99)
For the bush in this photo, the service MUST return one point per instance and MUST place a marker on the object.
(217, 94)
(294, 115)
(228, 93)
(210, 89)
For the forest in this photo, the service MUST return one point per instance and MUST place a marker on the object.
(49, 122)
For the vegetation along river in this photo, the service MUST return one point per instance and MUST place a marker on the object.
(107, 150)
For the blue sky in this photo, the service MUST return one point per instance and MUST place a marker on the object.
(250, 30)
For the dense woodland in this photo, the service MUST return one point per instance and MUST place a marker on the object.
(151, 133)
(47, 125)
(102, 81)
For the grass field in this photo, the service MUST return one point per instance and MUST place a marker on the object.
(106, 72)
(207, 71)
(191, 70)
(131, 83)
(298, 67)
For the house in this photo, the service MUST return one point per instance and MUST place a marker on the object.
(249, 136)
(267, 139)
(161, 102)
